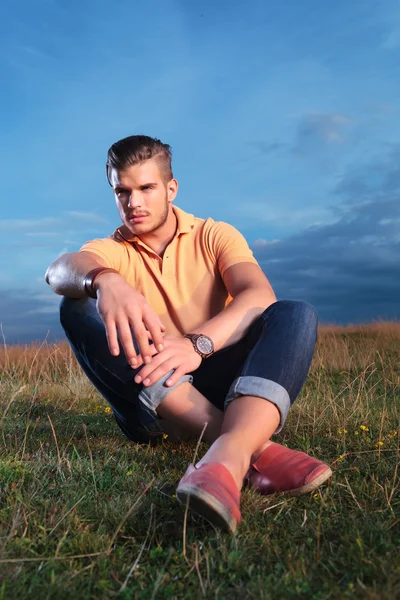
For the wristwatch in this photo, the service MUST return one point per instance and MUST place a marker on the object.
(88, 280)
(201, 343)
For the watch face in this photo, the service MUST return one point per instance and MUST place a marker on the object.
(205, 345)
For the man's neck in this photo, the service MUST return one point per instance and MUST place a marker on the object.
(162, 237)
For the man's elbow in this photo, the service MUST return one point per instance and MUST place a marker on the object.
(265, 295)
(51, 280)
(53, 275)
(261, 296)
(48, 276)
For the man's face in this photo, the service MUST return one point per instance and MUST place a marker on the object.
(143, 197)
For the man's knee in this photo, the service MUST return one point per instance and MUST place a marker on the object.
(295, 309)
(74, 312)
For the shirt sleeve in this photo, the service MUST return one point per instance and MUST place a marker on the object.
(110, 251)
(229, 246)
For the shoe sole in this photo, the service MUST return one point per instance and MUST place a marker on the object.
(311, 486)
(206, 506)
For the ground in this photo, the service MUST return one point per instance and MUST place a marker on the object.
(86, 514)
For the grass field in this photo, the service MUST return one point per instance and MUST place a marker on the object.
(86, 514)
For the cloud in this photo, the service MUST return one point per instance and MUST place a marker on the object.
(50, 226)
(86, 216)
(366, 184)
(261, 243)
(28, 316)
(392, 40)
(349, 268)
(264, 148)
(28, 246)
(41, 234)
(274, 213)
(316, 130)
(12, 226)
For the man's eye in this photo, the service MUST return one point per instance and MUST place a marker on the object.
(122, 193)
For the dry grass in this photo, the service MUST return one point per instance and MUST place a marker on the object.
(85, 514)
(357, 346)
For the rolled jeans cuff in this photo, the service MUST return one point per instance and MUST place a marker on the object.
(152, 396)
(262, 388)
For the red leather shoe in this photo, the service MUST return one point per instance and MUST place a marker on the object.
(212, 493)
(279, 469)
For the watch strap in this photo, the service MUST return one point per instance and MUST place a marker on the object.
(89, 279)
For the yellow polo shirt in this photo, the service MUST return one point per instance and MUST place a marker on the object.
(185, 287)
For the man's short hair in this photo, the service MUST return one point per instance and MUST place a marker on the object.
(135, 149)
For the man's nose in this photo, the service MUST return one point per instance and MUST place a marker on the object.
(134, 200)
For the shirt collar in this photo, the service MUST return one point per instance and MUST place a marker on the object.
(185, 220)
(185, 224)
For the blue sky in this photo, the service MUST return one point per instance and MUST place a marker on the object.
(283, 119)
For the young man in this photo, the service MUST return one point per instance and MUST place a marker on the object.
(204, 339)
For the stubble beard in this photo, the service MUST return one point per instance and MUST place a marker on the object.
(160, 222)
(163, 217)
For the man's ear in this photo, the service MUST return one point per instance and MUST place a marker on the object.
(172, 188)
(108, 175)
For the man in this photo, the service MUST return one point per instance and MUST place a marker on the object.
(204, 339)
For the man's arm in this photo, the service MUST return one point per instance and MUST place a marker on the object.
(120, 306)
(66, 275)
(251, 294)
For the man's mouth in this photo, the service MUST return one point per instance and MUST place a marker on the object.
(136, 218)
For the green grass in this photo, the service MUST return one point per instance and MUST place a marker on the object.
(86, 514)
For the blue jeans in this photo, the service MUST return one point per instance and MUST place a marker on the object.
(271, 361)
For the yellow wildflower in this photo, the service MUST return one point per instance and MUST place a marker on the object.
(380, 443)
(165, 435)
(107, 410)
(341, 458)
(364, 427)
(129, 473)
(356, 432)
(344, 430)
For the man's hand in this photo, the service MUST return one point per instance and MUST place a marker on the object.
(178, 354)
(123, 309)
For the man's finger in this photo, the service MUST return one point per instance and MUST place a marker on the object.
(159, 372)
(112, 337)
(149, 335)
(142, 340)
(125, 335)
(139, 358)
(175, 377)
(148, 369)
(155, 332)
